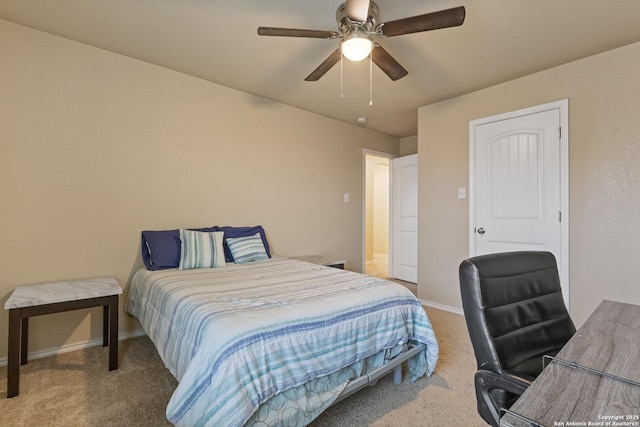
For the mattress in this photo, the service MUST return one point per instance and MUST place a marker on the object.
(271, 338)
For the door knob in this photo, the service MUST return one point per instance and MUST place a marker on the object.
(481, 230)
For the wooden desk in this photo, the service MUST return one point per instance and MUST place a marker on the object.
(563, 395)
(35, 300)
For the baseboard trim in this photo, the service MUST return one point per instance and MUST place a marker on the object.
(443, 307)
(76, 346)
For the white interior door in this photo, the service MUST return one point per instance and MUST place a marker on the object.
(404, 236)
(518, 185)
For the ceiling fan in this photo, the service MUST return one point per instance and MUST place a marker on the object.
(358, 24)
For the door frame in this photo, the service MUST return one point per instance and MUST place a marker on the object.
(365, 152)
(563, 106)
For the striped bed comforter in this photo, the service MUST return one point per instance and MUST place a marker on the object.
(237, 336)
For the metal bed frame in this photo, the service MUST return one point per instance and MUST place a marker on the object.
(372, 377)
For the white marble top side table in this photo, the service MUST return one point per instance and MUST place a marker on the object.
(322, 260)
(35, 300)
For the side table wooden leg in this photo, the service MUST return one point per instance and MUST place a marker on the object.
(113, 332)
(105, 325)
(13, 356)
(24, 341)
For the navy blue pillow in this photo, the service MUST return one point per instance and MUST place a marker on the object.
(242, 232)
(161, 248)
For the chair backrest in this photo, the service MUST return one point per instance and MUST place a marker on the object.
(514, 310)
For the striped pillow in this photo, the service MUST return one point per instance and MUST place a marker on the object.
(200, 249)
(246, 249)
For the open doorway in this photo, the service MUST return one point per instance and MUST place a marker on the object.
(376, 218)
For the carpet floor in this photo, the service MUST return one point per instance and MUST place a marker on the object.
(76, 389)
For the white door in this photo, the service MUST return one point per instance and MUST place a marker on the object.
(518, 185)
(404, 236)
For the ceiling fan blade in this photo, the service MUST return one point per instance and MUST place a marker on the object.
(387, 63)
(357, 10)
(429, 21)
(296, 32)
(325, 66)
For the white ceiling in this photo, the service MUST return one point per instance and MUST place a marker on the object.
(216, 40)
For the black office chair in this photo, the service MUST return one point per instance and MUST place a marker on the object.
(515, 314)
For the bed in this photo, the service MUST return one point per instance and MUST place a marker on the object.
(276, 341)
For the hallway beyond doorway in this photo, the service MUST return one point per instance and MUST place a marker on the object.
(379, 267)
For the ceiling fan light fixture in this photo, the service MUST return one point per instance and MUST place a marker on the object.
(358, 24)
(357, 45)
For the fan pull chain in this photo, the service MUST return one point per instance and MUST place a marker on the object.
(341, 90)
(371, 78)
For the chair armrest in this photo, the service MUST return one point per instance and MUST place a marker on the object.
(485, 381)
(522, 380)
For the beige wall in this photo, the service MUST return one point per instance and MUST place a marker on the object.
(604, 122)
(96, 147)
(408, 146)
